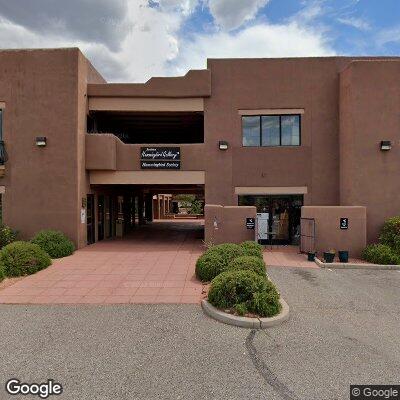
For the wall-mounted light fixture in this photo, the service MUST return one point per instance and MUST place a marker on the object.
(41, 141)
(223, 145)
(386, 145)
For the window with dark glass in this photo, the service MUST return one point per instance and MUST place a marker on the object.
(251, 131)
(271, 130)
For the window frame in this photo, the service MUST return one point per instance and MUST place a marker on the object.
(280, 129)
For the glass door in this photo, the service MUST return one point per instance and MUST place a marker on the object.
(284, 215)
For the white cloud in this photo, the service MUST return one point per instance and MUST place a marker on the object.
(289, 40)
(148, 40)
(231, 14)
(390, 35)
(357, 23)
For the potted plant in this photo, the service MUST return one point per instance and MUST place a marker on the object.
(329, 256)
(343, 256)
(311, 255)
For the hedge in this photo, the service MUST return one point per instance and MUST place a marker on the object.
(390, 234)
(23, 258)
(216, 260)
(251, 263)
(252, 248)
(243, 290)
(7, 235)
(380, 254)
(54, 243)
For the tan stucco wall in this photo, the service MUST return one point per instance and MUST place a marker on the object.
(231, 224)
(44, 92)
(369, 113)
(309, 84)
(328, 234)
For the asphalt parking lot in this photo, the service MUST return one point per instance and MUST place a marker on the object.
(344, 329)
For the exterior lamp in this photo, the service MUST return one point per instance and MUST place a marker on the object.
(386, 145)
(41, 141)
(223, 145)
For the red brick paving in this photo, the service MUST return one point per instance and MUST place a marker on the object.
(155, 264)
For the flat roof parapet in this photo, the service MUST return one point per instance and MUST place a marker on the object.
(196, 83)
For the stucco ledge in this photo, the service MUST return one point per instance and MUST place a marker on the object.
(246, 322)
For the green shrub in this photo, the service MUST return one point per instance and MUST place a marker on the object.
(252, 263)
(208, 266)
(252, 248)
(23, 258)
(240, 309)
(7, 235)
(228, 251)
(266, 304)
(2, 273)
(232, 288)
(390, 234)
(380, 254)
(216, 259)
(54, 243)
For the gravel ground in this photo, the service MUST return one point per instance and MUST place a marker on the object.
(344, 329)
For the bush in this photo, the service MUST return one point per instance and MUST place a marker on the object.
(2, 273)
(380, 254)
(390, 234)
(7, 235)
(233, 289)
(266, 304)
(208, 266)
(227, 251)
(252, 248)
(216, 259)
(54, 243)
(23, 258)
(240, 309)
(251, 263)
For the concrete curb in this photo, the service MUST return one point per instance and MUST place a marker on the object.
(245, 322)
(339, 265)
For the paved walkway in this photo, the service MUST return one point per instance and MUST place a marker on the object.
(155, 264)
(286, 256)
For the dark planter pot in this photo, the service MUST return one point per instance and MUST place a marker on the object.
(344, 256)
(311, 256)
(329, 257)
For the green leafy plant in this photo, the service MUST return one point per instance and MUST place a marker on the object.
(228, 251)
(251, 263)
(240, 309)
(380, 254)
(7, 235)
(390, 234)
(208, 266)
(252, 248)
(54, 243)
(231, 288)
(196, 208)
(266, 303)
(23, 258)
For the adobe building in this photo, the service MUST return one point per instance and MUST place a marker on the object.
(312, 144)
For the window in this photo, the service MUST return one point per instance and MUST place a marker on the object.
(271, 130)
(251, 131)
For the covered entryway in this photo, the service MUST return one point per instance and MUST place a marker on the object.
(154, 264)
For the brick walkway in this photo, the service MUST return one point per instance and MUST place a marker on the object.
(286, 256)
(153, 265)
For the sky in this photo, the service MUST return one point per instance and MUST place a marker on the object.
(133, 40)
